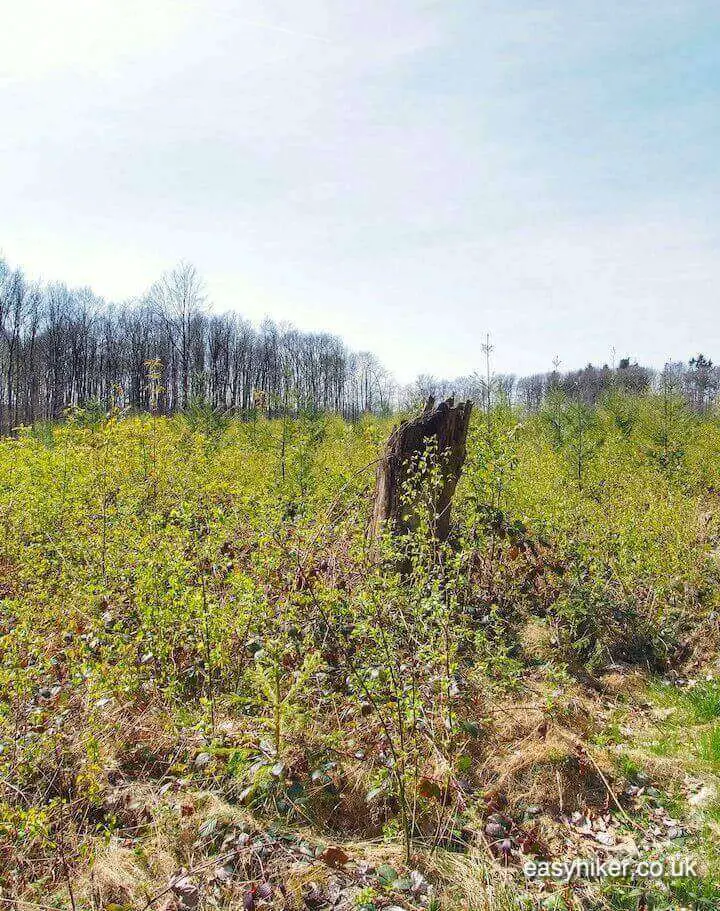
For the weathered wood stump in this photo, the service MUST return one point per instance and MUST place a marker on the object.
(445, 426)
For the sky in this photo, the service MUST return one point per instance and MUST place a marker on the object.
(410, 175)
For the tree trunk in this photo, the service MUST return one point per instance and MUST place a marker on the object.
(447, 426)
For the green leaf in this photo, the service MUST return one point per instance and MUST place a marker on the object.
(386, 875)
(402, 884)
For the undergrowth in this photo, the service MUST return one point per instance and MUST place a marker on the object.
(190, 606)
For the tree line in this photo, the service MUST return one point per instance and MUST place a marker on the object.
(62, 348)
(697, 382)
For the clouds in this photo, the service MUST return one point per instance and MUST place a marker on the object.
(42, 40)
(521, 168)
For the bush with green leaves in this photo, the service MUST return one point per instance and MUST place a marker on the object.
(194, 599)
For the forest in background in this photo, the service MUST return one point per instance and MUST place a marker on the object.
(62, 348)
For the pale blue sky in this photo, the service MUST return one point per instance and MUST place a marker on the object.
(409, 175)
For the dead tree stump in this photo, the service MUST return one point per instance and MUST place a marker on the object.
(447, 426)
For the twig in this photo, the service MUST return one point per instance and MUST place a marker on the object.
(610, 790)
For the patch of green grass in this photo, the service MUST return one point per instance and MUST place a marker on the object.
(629, 768)
(712, 811)
(701, 893)
(696, 893)
(612, 731)
(709, 747)
(667, 742)
(704, 700)
(700, 703)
